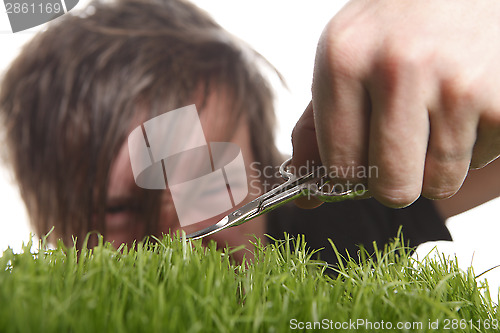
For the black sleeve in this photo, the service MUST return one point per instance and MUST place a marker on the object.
(351, 223)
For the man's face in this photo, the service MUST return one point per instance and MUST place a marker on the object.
(124, 226)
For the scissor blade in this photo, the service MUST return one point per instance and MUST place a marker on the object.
(236, 217)
(210, 230)
(276, 197)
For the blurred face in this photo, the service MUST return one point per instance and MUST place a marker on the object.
(122, 223)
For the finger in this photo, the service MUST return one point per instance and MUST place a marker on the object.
(305, 152)
(451, 141)
(487, 145)
(341, 112)
(399, 132)
(304, 142)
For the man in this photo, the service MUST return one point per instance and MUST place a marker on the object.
(78, 89)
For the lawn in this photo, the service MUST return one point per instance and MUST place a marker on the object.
(174, 285)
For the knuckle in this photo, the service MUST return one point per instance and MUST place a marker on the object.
(398, 59)
(397, 69)
(338, 49)
(449, 153)
(458, 93)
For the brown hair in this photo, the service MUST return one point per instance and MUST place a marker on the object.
(68, 100)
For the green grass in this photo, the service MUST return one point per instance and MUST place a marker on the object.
(176, 286)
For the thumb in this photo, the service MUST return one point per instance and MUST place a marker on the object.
(305, 151)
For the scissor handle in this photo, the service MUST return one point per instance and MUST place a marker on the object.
(316, 187)
(285, 174)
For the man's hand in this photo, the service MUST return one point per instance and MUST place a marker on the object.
(409, 87)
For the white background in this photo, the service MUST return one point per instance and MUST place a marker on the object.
(286, 33)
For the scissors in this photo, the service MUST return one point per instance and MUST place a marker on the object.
(314, 183)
